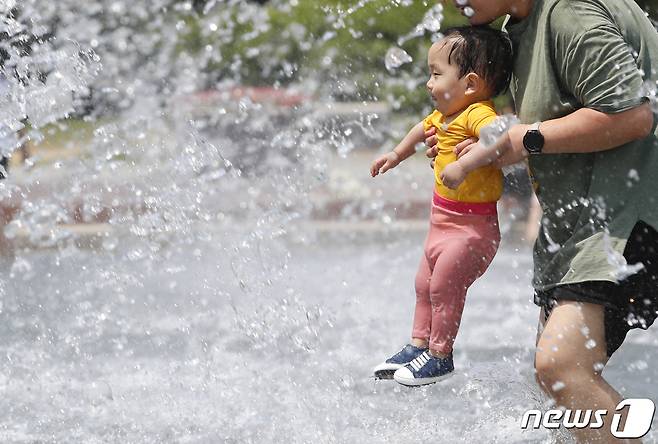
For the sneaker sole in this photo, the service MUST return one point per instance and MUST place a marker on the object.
(386, 371)
(420, 382)
(384, 374)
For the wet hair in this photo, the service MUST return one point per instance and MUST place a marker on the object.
(483, 50)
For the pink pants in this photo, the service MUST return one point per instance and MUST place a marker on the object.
(461, 243)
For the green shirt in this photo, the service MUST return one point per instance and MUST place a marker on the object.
(597, 54)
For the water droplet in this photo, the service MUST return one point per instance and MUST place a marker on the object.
(559, 385)
(396, 57)
(433, 18)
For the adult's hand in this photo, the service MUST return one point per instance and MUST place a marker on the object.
(510, 146)
(431, 141)
(507, 150)
(465, 146)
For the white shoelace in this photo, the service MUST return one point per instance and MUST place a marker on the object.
(420, 361)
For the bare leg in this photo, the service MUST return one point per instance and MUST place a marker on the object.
(540, 325)
(571, 353)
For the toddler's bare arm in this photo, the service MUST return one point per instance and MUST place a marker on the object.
(405, 149)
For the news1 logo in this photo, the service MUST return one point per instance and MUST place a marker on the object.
(638, 418)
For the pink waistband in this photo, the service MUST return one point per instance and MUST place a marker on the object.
(481, 209)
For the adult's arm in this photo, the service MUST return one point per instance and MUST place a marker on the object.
(583, 131)
(587, 130)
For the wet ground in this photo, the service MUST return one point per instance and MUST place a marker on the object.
(198, 347)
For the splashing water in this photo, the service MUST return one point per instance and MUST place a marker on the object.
(431, 23)
(649, 90)
(494, 131)
(396, 57)
(622, 269)
(166, 281)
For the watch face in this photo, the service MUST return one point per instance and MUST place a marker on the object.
(533, 141)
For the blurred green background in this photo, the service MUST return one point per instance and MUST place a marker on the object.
(335, 48)
(339, 45)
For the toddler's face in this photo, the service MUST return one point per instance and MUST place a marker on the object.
(447, 89)
(481, 12)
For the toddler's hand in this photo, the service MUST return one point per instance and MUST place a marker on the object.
(384, 163)
(453, 175)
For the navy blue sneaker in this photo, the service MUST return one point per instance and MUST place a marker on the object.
(425, 369)
(397, 361)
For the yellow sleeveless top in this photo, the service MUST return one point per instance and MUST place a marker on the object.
(482, 185)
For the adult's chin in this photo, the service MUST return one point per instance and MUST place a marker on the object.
(477, 21)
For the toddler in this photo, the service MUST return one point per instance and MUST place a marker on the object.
(467, 67)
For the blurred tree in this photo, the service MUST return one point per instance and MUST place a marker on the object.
(339, 45)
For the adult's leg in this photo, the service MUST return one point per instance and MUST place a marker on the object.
(540, 324)
(570, 356)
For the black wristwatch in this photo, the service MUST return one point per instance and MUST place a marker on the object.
(533, 141)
